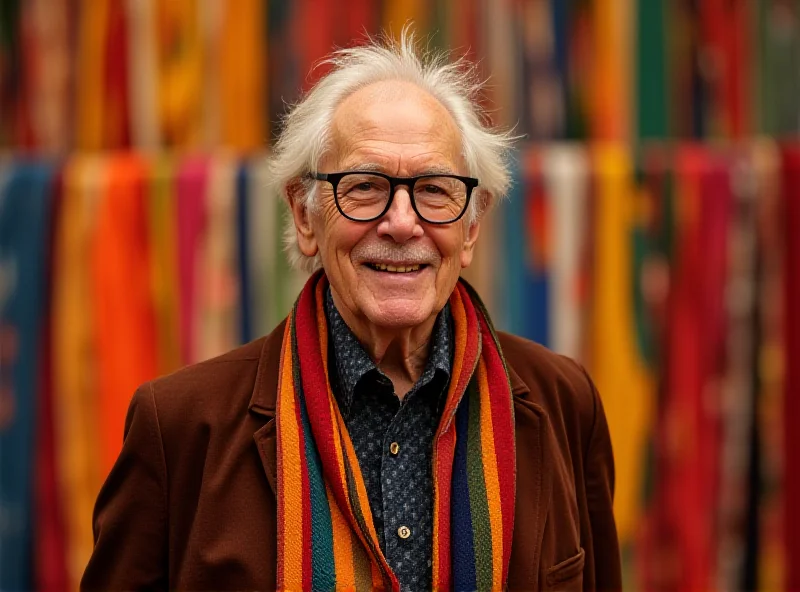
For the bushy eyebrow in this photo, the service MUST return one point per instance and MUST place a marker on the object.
(373, 167)
(367, 167)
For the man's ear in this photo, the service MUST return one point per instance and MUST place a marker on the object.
(484, 199)
(306, 241)
(468, 248)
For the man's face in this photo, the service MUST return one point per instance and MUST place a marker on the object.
(400, 130)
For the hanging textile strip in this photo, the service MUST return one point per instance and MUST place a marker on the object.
(24, 222)
(242, 75)
(77, 441)
(192, 223)
(617, 364)
(790, 155)
(566, 178)
(125, 327)
(50, 536)
(161, 212)
(765, 555)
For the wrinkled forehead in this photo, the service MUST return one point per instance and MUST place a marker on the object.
(396, 122)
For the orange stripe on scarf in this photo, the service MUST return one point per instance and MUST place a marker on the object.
(290, 516)
(490, 467)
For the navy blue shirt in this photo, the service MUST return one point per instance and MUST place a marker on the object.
(393, 441)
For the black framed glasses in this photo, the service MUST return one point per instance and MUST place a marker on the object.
(364, 196)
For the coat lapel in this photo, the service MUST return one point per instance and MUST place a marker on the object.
(534, 486)
(262, 402)
(267, 450)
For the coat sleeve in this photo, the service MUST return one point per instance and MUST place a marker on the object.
(599, 479)
(130, 515)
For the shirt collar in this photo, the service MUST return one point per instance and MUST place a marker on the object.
(353, 362)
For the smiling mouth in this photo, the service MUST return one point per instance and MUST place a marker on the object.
(395, 268)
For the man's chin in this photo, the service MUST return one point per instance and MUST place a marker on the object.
(399, 314)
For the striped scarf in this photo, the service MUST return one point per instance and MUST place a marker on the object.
(326, 536)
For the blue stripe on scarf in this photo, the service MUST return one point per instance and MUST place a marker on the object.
(463, 551)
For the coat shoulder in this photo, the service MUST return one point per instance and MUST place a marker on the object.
(208, 391)
(558, 384)
(530, 359)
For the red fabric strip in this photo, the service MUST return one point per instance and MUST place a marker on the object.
(790, 156)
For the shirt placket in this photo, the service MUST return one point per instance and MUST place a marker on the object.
(377, 416)
(402, 526)
(392, 468)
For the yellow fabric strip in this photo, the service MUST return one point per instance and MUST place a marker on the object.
(74, 361)
(618, 368)
(242, 75)
(89, 87)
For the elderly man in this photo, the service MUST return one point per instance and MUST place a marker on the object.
(384, 436)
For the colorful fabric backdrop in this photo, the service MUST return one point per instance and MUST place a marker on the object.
(651, 232)
(200, 74)
(668, 272)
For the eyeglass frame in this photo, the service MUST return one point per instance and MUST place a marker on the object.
(394, 182)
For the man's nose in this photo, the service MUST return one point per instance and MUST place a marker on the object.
(401, 221)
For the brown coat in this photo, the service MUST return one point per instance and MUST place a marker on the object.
(190, 502)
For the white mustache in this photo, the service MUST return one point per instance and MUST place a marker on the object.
(394, 253)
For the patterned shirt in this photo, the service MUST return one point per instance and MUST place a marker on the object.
(393, 442)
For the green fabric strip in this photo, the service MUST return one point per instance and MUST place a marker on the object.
(651, 71)
(478, 502)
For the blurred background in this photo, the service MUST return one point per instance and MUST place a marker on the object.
(652, 233)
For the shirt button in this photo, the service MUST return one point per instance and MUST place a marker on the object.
(404, 532)
(394, 448)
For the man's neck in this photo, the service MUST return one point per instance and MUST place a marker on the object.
(400, 353)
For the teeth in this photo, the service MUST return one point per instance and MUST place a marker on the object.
(395, 269)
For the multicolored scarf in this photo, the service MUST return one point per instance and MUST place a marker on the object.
(326, 536)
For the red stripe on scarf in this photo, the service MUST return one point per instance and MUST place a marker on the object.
(315, 389)
(444, 471)
(503, 441)
(306, 501)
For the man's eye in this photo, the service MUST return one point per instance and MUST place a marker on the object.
(434, 189)
(362, 187)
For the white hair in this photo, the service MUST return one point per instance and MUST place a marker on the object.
(305, 136)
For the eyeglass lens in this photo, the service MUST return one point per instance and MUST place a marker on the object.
(362, 196)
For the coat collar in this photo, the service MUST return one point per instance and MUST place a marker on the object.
(518, 386)
(265, 389)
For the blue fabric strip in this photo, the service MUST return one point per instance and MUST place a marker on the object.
(25, 206)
